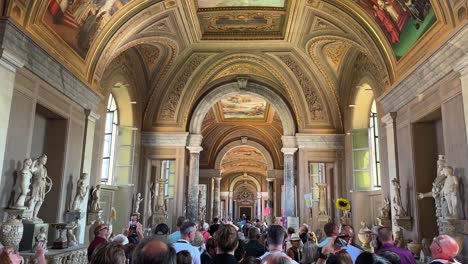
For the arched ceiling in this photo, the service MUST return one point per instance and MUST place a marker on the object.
(172, 53)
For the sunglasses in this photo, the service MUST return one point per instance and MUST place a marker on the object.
(437, 242)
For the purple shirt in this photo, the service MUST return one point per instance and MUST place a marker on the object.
(406, 257)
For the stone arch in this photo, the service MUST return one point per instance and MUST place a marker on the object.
(243, 177)
(283, 110)
(239, 143)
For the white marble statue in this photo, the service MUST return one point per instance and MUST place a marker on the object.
(436, 191)
(138, 200)
(81, 191)
(39, 184)
(400, 211)
(25, 180)
(96, 195)
(71, 238)
(450, 191)
(41, 236)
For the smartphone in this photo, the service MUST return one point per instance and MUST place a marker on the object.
(340, 241)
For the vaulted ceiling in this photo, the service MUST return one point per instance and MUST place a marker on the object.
(170, 54)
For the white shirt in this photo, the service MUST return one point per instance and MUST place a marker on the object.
(182, 244)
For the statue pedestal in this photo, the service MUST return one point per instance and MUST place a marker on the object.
(72, 215)
(61, 242)
(30, 232)
(404, 222)
(158, 217)
(94, 217)
(76, 254)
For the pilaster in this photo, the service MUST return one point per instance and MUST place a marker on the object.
(392, 155)
(289, 193)
(462, 68)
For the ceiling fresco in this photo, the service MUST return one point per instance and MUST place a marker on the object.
(239, 107)
(238, 3)
(403, 22)
(78, 22)
(243, 158)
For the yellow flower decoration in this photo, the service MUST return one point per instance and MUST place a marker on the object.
(342, 204)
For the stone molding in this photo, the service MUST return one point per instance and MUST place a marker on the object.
(289, 141)
(158, 139)
(331, 141)
(288, 151)
(194, 140)
(20, 50)
(434, 68)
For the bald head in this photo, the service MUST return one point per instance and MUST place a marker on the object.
(154, 251)
(444, 247)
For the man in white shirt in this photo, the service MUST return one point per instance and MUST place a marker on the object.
(187, 235)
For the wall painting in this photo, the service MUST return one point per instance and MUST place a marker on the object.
(77, 22)
(402, 21)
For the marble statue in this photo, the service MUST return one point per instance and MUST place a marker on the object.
(81, 191)
(41, 236)
(138, 200)
(400, 211)
(384, 214)
(436, 191)
(25, 180)
(95, 206)
(71, 238)
(450, 191)
(39, 184)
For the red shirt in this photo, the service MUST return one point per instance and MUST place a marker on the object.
(206, 235)
(96, 242)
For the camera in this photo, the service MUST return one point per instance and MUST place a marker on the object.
(134, 227)
(340, 241)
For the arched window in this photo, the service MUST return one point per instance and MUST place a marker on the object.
(374, 146)
(110, 139)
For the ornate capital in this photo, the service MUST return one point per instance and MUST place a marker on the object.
(389, 118)
(195, 150)
(289, 151)
(194, 140)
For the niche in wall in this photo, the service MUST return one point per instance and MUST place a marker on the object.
(427, 136)
(49, 137)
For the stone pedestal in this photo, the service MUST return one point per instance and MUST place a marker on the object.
(404, 222)
(61, 241)
(76, 254)
(29, 236)
(71, 216)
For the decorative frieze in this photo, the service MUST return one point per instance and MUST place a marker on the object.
(332, 141)
(164, 139)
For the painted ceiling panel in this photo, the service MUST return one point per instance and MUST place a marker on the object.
(237, 3)
(243, 107)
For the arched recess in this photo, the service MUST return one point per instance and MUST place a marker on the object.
(230, 89)
(245, 177)
(238, 143)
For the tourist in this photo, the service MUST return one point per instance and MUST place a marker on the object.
(155, 252)
(187, 235)
(385, 236)
(309, 253)
(304, 233)
(209, 253)
(227, 242)
(176, 235)
(161, 231)
(294, 251)
(100, 237)
(108, 253)
(214, 227)
(444, 249)
(254, 247)
(184, 257)
(204, 231)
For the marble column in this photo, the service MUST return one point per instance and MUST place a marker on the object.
(230, 201)
(289, 190)
(259, 205)
(216, 196)
(392, 155)
(8, 67)
(462, 68)
(270, 204)
(193, 181)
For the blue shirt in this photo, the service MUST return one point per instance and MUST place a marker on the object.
(353, 252)
(181, 244)
(172, 238)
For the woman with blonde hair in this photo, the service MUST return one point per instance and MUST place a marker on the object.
(309, 253)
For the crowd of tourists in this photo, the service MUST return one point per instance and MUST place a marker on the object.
(246, 243)
(254, 242)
